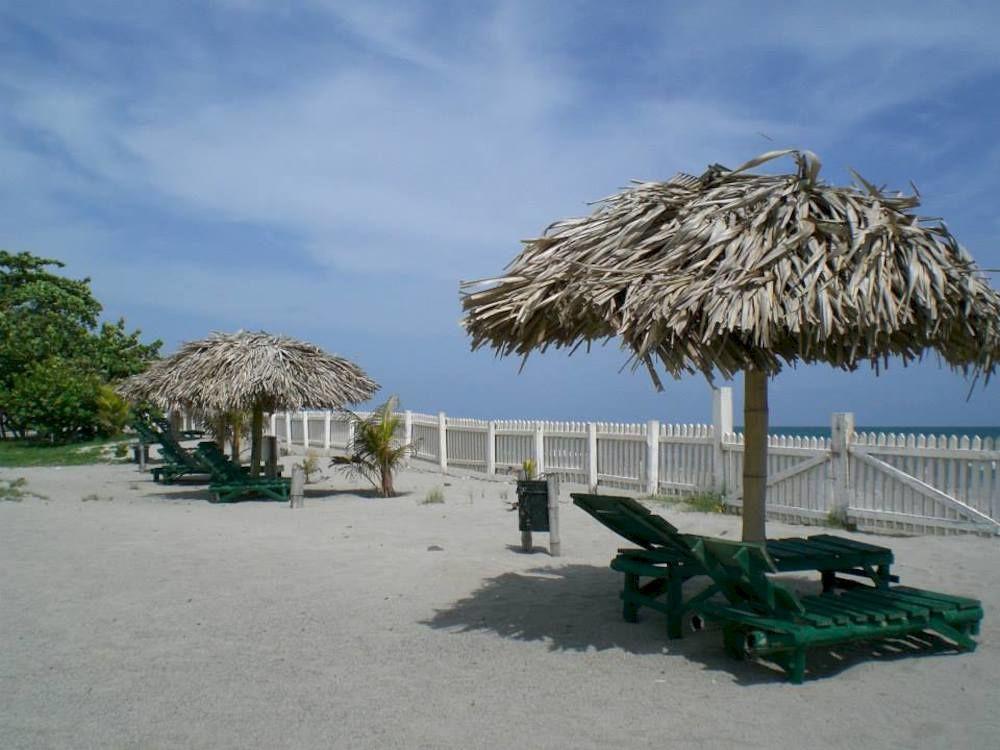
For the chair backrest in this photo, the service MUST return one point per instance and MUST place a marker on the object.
(220, 466)
(632, 520)
(145, 430)
(740, 570)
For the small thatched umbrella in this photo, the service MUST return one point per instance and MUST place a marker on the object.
(735, 271)
(250, 371)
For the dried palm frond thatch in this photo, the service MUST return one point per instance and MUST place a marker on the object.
(250, 371)
(734, 271)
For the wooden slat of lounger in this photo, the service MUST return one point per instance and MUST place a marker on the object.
(789, 547)
(815, 604)
(927, 599)
(834, 603)
(961, 602)
(887, 602)
(853, 543)
(878, 614)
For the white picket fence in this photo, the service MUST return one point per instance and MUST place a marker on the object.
(886, 482)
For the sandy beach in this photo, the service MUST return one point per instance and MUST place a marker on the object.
(134, 615)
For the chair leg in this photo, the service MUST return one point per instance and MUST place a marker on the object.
(829, 579)
(961, 639)
(797, 665)
(732, 640)
(675, 608)
(630, 610)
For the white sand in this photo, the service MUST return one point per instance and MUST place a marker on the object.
(149, 618)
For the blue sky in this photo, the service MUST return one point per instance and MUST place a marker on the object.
(332, 170)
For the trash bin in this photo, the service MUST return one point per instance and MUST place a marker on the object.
(532, 505)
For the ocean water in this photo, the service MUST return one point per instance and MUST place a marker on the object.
(824, 431)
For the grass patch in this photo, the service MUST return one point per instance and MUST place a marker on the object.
(433, 496)
(32, 453)
(15, 490)
(836, 518)
(703, 502)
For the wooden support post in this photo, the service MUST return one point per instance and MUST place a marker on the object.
(142, 455)
(274, 424)
(256, 439)
(288, 431)
(722, 425)
(305, 429)
(555, 544)
(443, 442)
(592, 456)
(652, 457)
(326, 431)
(841, 433)
(539, 449)
(526, 542)
(270, 451)
(754, 454)
(296, 497)
(491, 448)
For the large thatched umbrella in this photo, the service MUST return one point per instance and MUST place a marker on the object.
(250, 371)
(734, 271)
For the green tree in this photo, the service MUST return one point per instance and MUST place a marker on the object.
(49, 330)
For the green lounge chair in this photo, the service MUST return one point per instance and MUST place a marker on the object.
(163, 425)
(762, 618)
(231, 482)
(178, 462)
(666, 560)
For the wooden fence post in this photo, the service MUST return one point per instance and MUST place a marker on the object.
(539, 448)
(722, 424)
(652, 456)
(841, 432)
(326, 431)
(443, 442)
(592, 456)
(408, 430)
(491, 447)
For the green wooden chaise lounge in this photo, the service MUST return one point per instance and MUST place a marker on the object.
(761, 618)
(163, 424)
(666, 559)
(231, 482)
(177, 462)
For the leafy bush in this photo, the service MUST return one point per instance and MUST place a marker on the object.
(55, 399)
(112, 411)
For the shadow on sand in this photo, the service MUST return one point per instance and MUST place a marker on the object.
(198, 490)
(576, 608)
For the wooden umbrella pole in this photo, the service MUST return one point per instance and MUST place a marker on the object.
(754, 453)
(256, 439)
